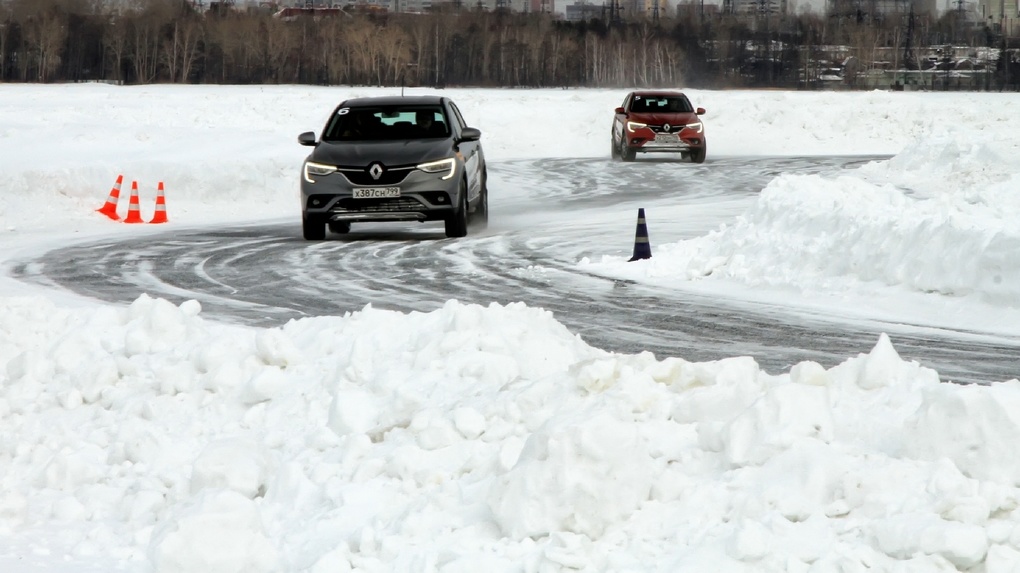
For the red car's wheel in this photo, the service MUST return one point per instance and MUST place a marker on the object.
(698, 155)
(626, 152)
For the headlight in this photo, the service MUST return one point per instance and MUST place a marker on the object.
(697, 127)
(633, 126)
(447, 165)
(317, 169)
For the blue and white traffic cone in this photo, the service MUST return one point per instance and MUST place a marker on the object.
(642, 248)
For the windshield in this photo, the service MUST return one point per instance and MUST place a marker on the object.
(386, 123)
(661, 104)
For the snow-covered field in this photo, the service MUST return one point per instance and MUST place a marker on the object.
(490, 438)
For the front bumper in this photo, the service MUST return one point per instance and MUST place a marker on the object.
(651, 142)
(423, 197)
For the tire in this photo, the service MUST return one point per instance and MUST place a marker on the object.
(456, 222)
(626, 152)
(698, 155)
(480, 218)
(313, 229)
(339, 227)
(614, 150)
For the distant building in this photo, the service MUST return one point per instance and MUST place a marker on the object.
(755, 7)
(326, 7)
(581, 11)
(631, 8)
(541, 6)
(412, 6)
(999, 14)
(654, 8)
(864, 9)
(289, 14)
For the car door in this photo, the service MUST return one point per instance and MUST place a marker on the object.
(471, 151)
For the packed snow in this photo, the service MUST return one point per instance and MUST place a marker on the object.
(149, 438)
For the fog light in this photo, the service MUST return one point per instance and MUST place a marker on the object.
(440, 199)
(316, 202)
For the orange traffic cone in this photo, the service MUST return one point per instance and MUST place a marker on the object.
(160, 215)
(110, 208)
(134, 212)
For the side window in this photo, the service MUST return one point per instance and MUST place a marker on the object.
(626, 103)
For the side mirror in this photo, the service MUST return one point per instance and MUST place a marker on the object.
(619, 110)
(700, 111)
(307, 138)
(470, 134)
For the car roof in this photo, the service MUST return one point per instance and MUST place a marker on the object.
(394, 100)
(656, 93)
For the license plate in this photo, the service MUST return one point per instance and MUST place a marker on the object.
(376, 192)
(667, 138)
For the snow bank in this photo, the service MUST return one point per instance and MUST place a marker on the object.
(485, 437)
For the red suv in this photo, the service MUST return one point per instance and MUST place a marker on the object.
(658, 122)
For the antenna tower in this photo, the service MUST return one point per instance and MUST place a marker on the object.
(908, 43)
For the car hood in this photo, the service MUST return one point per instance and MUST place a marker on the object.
(663, 118)
(361, 154)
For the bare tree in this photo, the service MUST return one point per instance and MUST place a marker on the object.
(115, 44)
(6, 23)
(419, 29)
(336, 56)
(180, 50)
(281, 42)
(148, 18)
(45, 34)
(394, 54)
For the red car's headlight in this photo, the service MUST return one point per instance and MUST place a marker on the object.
(633, 126)
(696, 127)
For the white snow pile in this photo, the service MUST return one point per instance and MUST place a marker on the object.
(471, 438)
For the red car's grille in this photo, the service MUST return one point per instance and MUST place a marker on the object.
(662, 128)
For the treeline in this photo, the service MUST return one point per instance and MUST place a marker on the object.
(150, 41)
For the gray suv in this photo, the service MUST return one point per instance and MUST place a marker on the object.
(393, 158)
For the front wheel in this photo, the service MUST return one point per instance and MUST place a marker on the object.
(339, 227)
(480, 217)
(698, 155)
(626, 152)
(313, 229)
(456, 222)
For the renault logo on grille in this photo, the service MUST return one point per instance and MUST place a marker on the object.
(376, 171)
(666, 127)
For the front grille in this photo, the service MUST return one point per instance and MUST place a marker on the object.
(672, 128)
(361, 176)
(395, 205)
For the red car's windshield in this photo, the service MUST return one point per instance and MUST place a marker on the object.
(661, 104)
